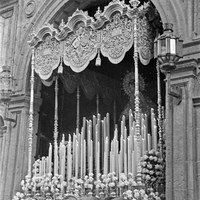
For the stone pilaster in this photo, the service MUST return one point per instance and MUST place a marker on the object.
(15, 145)
(180, 137)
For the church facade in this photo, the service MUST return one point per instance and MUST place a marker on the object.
(18, 19)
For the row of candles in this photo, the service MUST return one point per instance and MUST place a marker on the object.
(93, 151)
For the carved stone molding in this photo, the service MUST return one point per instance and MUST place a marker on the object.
(196, 19)
(30, 8)
(7, 13)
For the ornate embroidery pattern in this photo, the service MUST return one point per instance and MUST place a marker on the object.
(47, 57)
(80, 47)
(117, 38)
(145, 40)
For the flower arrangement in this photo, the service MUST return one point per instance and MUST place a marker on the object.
(140, 194)
(99, 183)
(89, 184)
(110, 180)
(105, 186)
(78, 186)
(57, 184)
(152, 168)
(19, 196)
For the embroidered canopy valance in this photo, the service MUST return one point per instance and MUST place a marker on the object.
(82, 38)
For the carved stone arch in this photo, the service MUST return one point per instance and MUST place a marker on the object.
(171, 12)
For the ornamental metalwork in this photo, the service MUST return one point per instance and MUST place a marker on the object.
(109, 32)
(47, 57)
(117, 38)
(80, 47)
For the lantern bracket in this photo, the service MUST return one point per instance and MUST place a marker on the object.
(176, 92)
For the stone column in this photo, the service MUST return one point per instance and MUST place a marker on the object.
(15, 146)
(181, 146)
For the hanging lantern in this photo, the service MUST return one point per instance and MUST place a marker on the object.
(168, 49)
(6, 84)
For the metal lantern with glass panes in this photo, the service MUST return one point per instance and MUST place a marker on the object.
(168, 49)
(6, 84)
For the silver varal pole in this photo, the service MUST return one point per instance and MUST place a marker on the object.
(30, 123)
(137, 100)
(160, 119)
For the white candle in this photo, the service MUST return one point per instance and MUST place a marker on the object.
(98, 159)
(106, 157)
(69, 161)
(145, 138)
(120, 164)
(56, 159)
(77, 159)
(92, 156)
(133, 163)
(50, 157)
(64, 159)
(149, 141)
(129, 157)
(84, 158)
(40, 168)
(155, 137)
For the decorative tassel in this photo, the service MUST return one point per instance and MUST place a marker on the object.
(98, 59)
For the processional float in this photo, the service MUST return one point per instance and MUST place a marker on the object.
(90, 163)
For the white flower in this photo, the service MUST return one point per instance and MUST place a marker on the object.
(148, 177)
(153, 179)
(152, 151)
(142, 191)
(151, 157)
(90, 186)
(129, 194)
(121, 184)
(22, 182)
(137, 195)
(112, 184)
(151, 172)
(149, 166)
